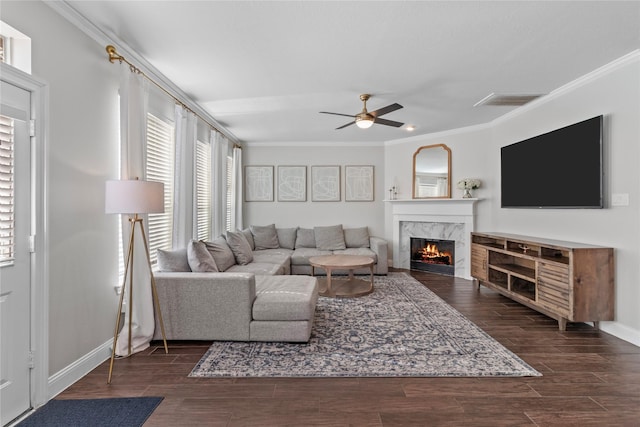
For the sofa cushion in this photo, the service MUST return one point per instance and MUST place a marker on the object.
(262, 268)
(265, 236)
(356, 237)
(287, 237)
(305, 238)
(221, 253)
(358, 251)
(285, 298)
(278, 256)
(249, 237)
(173, 261)
(240, 247)
(329, 238)
(301, 256)
(200, 260)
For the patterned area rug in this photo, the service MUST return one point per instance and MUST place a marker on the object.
(402, 329)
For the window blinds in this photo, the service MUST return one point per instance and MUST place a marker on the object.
(160, 167)
(203, 190)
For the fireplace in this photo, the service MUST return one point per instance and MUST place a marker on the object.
(433, 255)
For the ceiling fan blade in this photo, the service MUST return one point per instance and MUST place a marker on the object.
(337, 114)
(344, 126)
(386, 122)
(385, 110)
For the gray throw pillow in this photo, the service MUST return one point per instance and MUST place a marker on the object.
(175, 261)
(305, 238)
(329, 238)
(200, 260)
(249, 236)
(221, 253)
(287, 237)
(265, 236)
(240, 247)
(356, 237)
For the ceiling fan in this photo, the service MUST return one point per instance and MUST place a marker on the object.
(366, 119)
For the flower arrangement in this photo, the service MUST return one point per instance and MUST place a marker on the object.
(469, 184)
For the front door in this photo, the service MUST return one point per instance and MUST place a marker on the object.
(15, 253)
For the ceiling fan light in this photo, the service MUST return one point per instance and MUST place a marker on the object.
(364, 123)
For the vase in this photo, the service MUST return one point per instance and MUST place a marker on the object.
(467, 194)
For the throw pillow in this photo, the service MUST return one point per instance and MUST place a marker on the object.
(305, 238)
(249, 237)
(265, 236)
(173, 260)
(329, 238)
(240, 247)
(221, 253)
(200, 260)
(356, 237)
(287, 237)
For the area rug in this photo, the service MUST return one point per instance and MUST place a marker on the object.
(127, 411)
(402, 329)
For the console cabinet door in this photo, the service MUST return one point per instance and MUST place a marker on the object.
(554, 290)
(479, 259)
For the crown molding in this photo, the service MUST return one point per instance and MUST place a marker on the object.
(105, 38)
(339, 144)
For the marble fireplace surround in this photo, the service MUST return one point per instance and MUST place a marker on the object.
(450, 219)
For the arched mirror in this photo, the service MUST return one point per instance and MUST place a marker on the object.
(432, 172)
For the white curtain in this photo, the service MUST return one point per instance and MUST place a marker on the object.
(184, 181)
(237, 185)
(134, 94)
(220, 151)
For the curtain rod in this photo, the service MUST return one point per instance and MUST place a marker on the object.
(115, 56)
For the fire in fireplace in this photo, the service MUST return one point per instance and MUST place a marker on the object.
(436, 256)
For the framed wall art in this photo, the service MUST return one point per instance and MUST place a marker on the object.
(292, 183)
(358, 183)
(325, 183)
(258, 183)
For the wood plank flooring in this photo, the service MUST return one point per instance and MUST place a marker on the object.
(589, 378)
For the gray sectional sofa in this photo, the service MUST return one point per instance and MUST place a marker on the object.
(253, 284)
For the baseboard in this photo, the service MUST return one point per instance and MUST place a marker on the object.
(621, 331)
(64, 378)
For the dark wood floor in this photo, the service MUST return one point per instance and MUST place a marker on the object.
(589, 378)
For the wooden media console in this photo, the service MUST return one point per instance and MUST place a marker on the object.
(564, 280)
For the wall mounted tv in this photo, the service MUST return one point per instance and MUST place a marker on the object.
(559, 169)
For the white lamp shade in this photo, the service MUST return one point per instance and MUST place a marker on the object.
(134, 197)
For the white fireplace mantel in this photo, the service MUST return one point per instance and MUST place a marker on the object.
(453, 219)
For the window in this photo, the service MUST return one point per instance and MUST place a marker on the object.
(6, 190)
(160, 167)
(203, 190)
(2, 49)
(229, 198)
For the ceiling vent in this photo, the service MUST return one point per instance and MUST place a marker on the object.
(503, 100)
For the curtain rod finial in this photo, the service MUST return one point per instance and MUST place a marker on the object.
(113, 54)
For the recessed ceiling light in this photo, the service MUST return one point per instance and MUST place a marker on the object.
(410, 128)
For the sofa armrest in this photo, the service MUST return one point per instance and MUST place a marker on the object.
(205, 306)
(379, 246)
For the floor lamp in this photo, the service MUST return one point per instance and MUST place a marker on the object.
(134, 197)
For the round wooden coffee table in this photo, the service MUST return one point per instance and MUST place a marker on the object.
(346, 288)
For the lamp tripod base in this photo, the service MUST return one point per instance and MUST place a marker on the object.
(135, 222)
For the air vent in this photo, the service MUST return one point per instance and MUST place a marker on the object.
(502, 100)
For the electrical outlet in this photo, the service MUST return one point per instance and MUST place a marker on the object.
(620, 199)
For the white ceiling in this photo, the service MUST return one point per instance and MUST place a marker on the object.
(264, 69)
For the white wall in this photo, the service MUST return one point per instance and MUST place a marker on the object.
(308, 214)
(82, 153)
(613, 91)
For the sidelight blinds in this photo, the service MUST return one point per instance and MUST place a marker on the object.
(6, 190)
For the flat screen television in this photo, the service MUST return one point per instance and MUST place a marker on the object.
(559, 169)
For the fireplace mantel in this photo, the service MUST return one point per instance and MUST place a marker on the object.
(442, 218)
